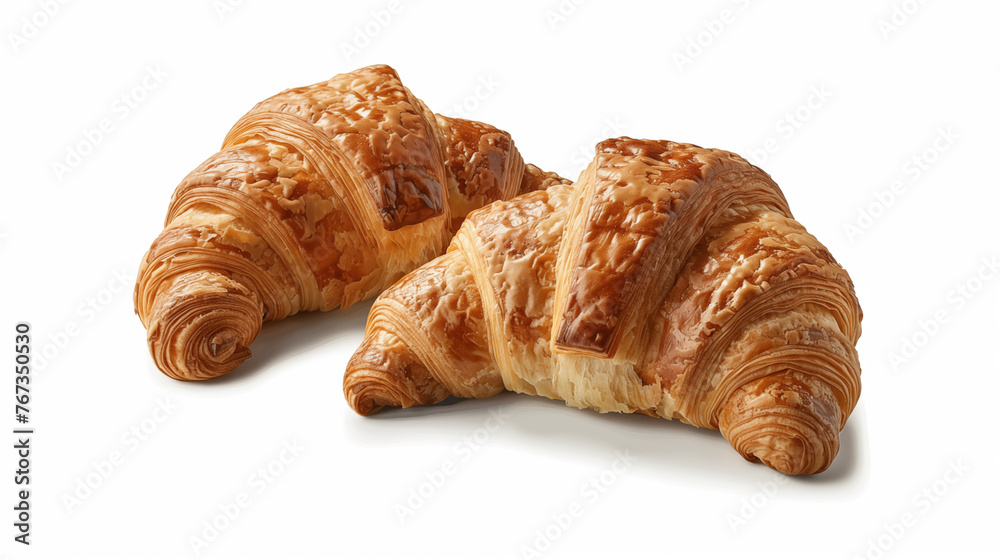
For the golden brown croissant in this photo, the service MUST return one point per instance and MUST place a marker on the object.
(669, 280)
(320, 196)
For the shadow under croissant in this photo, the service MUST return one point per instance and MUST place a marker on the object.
(777, 419)
(667, 451)
(298, 333)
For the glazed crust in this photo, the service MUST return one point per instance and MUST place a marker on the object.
(321, 196)
(670, 280)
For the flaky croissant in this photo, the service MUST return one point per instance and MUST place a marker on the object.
(320, 196)
(669, 280)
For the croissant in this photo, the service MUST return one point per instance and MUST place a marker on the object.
(669, 280)
(320, 196)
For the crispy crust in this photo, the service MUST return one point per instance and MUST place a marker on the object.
(670, 280)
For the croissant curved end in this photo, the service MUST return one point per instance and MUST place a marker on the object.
(203, 329)
(385, 372)
(369, 392)
(790, 427)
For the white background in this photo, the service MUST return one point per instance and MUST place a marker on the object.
(869, 98)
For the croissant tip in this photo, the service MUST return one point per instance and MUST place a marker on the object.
(790, 427)
(364, 398)
(365, 406)
(198, 335)
(223, 345)
(788, 455)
